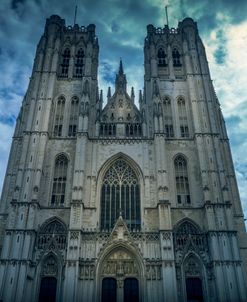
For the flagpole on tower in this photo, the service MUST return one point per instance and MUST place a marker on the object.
(167, 21)
(75, 15)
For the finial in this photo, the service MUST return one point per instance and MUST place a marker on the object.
(140, 96)
(132, 94)
(75, 15)
(109, 93)
(121, 67)
(101, 96)
(167, 22)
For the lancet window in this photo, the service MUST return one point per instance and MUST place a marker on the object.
(73, 119)
(167, 113)
(176, 58)
(58, 121)
(133, 129)
(161, 56)
(108, 129)
(182, 183)
(183, 120)
(120, 195)
(65, 63)
(59, 180)
(79, 63)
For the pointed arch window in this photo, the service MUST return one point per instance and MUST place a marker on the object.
(176, 58)
(183, 120)
(65, 63)
(120, 195)
(182, 183)
(73, 119)
(52, 235)
(59, 180)
(168, 121)
(187, 232)
(79, 63)
(161, 56)
(58, 122)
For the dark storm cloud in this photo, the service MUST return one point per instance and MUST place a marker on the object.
(121, 28)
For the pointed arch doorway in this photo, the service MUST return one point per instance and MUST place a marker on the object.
(120, 277)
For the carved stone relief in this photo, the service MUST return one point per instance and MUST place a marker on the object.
(119, 264)
(50, 267)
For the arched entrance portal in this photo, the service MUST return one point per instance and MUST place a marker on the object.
(120, 277)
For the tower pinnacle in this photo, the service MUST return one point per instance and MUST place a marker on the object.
(120, 67)
(120, 83)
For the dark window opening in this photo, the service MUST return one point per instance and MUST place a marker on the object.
(176, 58)
(182, 183)
(79, 63)
(65, 63)
(59, 181)
(184, 131)
(169, 131)
(133, 130)
(108, 129)
(73, 119)
(58, 122)
(161, 58)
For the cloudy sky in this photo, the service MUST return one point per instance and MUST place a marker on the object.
(121, 28)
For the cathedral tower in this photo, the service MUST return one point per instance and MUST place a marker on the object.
(111, 202)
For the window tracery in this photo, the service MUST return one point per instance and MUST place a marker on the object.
(79, 63)
(167, 113)
(182, 183)
(183, 120)
(52, 236)
(73, 117)
(108, 129)
(120, 195)
(133, 129)
(65, 63)
(59, 114)
(59, 180)
(187, 233)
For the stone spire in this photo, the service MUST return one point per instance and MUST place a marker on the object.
(120, 83)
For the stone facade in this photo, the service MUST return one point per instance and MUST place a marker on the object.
(119, 203)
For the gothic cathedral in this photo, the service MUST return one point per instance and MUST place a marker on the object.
(119, 202)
